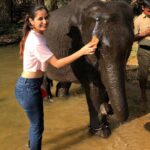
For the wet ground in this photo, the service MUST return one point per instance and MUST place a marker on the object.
(66, 119)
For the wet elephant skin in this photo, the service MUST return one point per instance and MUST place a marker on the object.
(102, 74)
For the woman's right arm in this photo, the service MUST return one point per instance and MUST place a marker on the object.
(88, 49)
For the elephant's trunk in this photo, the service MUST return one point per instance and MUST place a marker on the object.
(114, 82)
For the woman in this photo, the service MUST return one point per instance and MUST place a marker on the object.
(36, 55)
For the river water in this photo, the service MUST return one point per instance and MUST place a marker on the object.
(66, 119)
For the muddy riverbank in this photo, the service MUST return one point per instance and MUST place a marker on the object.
(66, 119)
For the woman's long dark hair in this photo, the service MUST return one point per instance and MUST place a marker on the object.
(27, 26)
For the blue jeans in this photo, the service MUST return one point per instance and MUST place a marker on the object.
(29, 96)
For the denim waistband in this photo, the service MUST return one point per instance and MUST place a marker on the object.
(31, 80)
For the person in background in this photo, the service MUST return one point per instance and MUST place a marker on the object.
(36, 56)
(142, 35)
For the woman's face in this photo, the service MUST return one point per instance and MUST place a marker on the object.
(40, 22)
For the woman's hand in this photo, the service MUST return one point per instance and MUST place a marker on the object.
(89, 48)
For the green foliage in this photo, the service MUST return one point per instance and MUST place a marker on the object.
(9, 28)
(63, 2)
(54, 4)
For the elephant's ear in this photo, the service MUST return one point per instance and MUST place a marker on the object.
(77, 19)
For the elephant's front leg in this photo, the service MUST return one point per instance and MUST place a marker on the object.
(98, 122)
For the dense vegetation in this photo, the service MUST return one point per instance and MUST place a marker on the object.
(13, 11)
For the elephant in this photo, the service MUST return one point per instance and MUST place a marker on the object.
(102, 75)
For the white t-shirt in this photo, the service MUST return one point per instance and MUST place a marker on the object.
(36, 53)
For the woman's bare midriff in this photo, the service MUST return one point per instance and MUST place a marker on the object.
(37, 74)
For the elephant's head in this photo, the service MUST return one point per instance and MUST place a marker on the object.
(113, 24)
